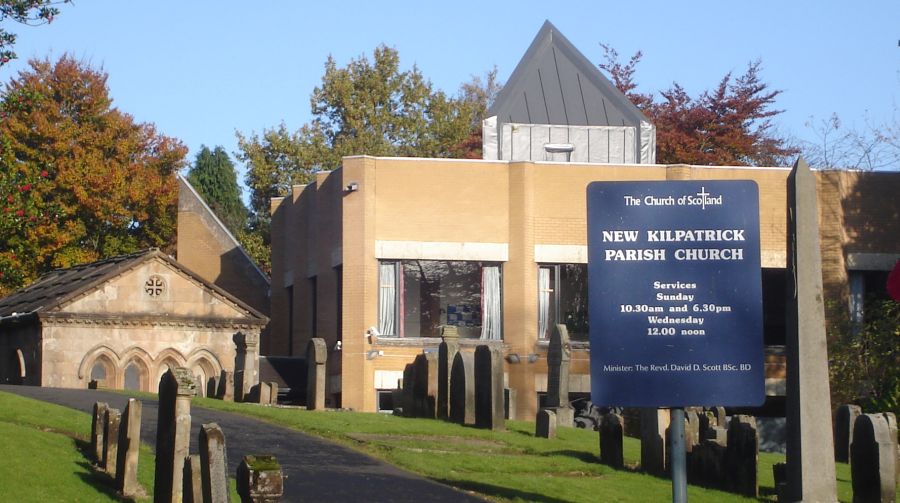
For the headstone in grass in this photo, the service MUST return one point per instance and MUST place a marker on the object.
(720, 417)
(192, 491)
(462, 389)
(425, 385)
(213, 464)
(260, 480)
(273, 392)
(97, 425)
(706, 464)
(173, 430)
(129, 448)
(545, 424)
(264, 396)
(742, 456)
(612, 435)
(409, 399)
(316, 357)
(225, 391)
(111, 440)
(559, 355)
(691, 429)
(446, 352)
(509, 403)
(489, 412)
(654, 423)
(844, 417)
(212, 386)
(873, 458)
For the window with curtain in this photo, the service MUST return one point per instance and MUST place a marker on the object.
(417, 297)
(562, 298)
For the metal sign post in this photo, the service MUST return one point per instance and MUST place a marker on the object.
(677, 456)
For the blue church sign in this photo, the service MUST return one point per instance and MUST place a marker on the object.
(675, 298)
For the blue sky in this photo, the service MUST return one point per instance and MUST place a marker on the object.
(201, 70)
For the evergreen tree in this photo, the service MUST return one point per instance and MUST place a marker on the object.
(214, 178)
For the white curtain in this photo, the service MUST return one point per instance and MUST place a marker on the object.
(490, 303)
(543, 301)
(387, 298)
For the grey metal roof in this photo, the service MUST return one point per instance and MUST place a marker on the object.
(555, 83)
(62, 285)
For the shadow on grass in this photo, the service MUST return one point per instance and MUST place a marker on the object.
(95, 477)
(585, 457)
(497, 491)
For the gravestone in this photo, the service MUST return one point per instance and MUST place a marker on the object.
(316, 356)
(246, 364)
(409, 395)
(192, 490)
(742, 456)
(273, 392)
(654, 423)
(873, 458)
(489, 412)
(721, 418)
(239, 395)
(425, 385)
(173, 430)
(844, 417)
(691, 430)
(263, 393)
(810, 449)
(559, 355)
(226, 386)
(545, 424)
(97, 426)
(129, 448)
(462, 389)
(509, 403)
(260, 480)
(111, 440)
(212, 386)
(213, 464)
(446, 352)
(612, 435)
(706, 464)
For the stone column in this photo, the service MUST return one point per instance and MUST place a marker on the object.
(446, 352)
(489, 388)
(810, 445)
(316, 357)
(173, 430)
(129, 448)
(213, 464)
(246, 362)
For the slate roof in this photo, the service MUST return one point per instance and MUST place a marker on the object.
(58, 287)
(555, 83)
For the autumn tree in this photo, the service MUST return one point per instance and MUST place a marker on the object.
(214, 177)
(27, 12)
(367, 107)
(81, 180)
(730, 124)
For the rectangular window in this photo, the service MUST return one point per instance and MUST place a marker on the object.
(563, 298)
(417, 297)
(865, 287)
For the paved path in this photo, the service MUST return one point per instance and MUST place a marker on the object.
(317, 470)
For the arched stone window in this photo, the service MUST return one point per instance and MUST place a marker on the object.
(104, 370)
(135, 376)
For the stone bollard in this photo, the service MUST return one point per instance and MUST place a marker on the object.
(545, 424)
(259, 480)
(97, 426)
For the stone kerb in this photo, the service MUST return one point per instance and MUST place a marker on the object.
(462, 389)
(129, 448)
(213, 464)
(612, 437)
(446, 352)
(844, 417)
(559, 356)
(489, 411)
(873, 459)
(97, 426)
(316, 357)
(111, 440)
(173, 429)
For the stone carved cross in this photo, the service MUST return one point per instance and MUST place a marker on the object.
(154, 286)
(559, 354)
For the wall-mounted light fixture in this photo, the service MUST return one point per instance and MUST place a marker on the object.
(352, 187)
(372, 354)
(533, 357)
(372, 334)
(513, 358)
(337, 346)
